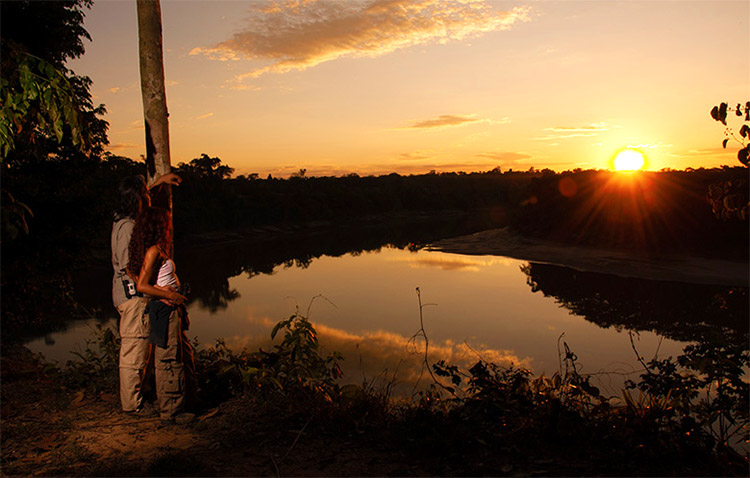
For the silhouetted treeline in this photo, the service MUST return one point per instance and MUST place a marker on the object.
(206, 201)
(658, 212)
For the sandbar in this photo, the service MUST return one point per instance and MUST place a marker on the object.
(663, 267)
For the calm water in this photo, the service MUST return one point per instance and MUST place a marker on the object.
(364, 305)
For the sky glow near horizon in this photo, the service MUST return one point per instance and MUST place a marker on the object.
(374, 87)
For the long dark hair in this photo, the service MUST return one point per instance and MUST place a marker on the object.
(151, 229)
(132, 193)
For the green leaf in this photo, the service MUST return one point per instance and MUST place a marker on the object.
(47, 95)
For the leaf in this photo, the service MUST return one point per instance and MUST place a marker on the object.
(724, 143)
(628, 399)
(743, 154)
(715, 113)
(275, 329)
(745, 131)
(723, 113)
(57, 126)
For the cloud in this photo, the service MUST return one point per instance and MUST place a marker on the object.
(442, 121)
(563, 132)
(121, 89)
(203, 116)
(701, 153)
(414, 156)
(377, 355)
(506, 156)
(123, 146)
(298, 34)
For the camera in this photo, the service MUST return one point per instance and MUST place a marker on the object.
(129, 286)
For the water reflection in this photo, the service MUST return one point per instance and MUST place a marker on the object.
(209, 268)
(382, 357)
(680, 311)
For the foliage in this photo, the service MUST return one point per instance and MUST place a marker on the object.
(703, 390)
(729, 199)
(294, 368)
(97, 368)
(205, 167)
(47, 109)
(43, 101)
(720, 113)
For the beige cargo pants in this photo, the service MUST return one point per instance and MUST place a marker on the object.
(170, 371)
(134, 330)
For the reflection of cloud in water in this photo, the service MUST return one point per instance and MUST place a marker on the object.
(456, 263)
(377, 356)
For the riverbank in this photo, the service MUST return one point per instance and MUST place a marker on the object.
(624, 263)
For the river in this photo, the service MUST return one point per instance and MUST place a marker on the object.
(361, 294)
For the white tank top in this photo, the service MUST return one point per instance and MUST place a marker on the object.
(167, 277)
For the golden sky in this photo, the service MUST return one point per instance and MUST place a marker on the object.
(384, 86)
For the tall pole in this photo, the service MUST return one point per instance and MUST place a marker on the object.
(154, 97)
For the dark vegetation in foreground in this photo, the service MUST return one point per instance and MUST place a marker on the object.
(487, 420)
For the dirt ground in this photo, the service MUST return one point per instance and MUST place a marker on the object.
(46, 430)
(50, 431)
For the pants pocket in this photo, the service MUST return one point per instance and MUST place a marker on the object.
(171, 382)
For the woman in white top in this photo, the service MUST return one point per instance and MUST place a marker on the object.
(153, 270)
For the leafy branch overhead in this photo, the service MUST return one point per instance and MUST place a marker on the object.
(721, 113)
(41, 99)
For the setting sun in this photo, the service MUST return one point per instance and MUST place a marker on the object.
(629, 160)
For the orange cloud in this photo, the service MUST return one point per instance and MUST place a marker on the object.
(296, 35)
(506, 156)
(414, 156)
(443, 120)
(562, 132)
(122, 146)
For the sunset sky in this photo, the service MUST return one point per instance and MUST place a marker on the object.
(375, 87)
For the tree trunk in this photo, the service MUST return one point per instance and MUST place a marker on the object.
(154, 98)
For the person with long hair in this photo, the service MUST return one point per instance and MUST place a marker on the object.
(152, 266)
(133, 196)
